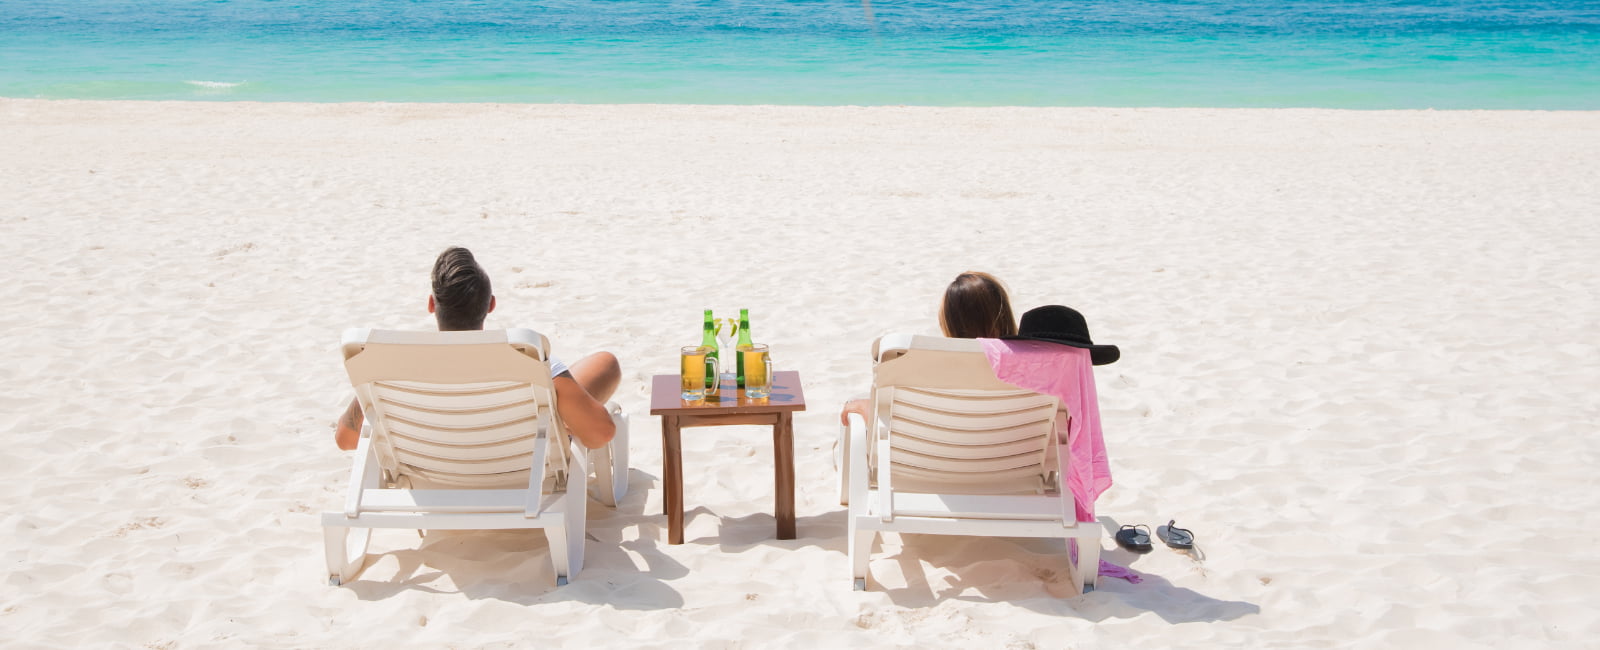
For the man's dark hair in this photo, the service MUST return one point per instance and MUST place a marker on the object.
(461, 291)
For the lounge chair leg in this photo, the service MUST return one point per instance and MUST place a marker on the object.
(1088, 553)
(860, 548)
(575, 541)
(600, 460)
(566, 538)
(345, 551)
(611, 463)
(619, 459)
(557, 535)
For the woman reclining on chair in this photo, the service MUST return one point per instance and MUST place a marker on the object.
(975, 306)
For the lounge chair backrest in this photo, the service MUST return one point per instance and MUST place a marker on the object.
(457, 409)
(953, 427)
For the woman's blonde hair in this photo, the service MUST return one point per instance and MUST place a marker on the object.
(976, 306)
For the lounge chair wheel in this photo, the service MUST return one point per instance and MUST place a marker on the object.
(861, 584)
(333, 581)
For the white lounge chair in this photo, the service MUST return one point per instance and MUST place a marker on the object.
(955, 451)
(463, 434)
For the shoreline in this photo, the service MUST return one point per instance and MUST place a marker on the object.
(1021, 107)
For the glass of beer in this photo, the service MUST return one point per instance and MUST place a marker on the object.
(757, 370)
(694, 365)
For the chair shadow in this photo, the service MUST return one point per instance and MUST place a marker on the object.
(515, 566)
(1047, 560)
(1156, 594)
(633, 573)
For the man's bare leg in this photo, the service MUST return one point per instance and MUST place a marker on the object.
(598, 374)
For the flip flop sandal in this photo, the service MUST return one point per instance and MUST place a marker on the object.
(1178, 538)
(1133, 539)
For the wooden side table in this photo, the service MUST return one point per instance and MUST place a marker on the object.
(728, 406)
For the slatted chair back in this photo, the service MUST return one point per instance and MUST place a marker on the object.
(953, 428)
(458, 409)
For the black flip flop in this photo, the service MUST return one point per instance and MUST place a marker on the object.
(1133, 539)
(1178, 538)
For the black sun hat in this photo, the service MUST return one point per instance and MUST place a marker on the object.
(1063, 325)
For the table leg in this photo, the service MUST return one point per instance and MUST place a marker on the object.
(672, 478)
(783, 458)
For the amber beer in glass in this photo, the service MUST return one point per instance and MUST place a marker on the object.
(757, 370)
(693, 369)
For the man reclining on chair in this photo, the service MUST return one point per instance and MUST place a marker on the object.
(461, 300)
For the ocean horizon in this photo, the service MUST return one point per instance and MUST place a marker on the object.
(1393, 54)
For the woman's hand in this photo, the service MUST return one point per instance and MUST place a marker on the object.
(858, 406)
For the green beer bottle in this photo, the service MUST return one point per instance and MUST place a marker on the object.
(709, 339)
(744, 339)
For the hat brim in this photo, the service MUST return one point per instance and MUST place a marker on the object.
(1098, 354)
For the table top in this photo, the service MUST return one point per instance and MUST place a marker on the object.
(729, 398)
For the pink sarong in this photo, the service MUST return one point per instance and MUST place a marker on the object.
(1065, 372)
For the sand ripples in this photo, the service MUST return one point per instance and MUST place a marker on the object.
(1358, 362)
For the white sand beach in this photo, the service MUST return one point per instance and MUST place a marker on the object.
(1360, 360)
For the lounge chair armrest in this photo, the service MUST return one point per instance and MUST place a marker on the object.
(1063, 452)
(577, 461)
(364, 474)
(541, 447)
(885, 489)
(857, 459)
(1069, 501)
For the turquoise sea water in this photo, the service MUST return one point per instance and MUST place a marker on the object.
(1541, 54)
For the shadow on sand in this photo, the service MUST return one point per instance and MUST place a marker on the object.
(634, 573)
(738, 534)
(514, 565)
(974, 569)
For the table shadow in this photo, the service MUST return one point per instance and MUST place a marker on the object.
(736, 534)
